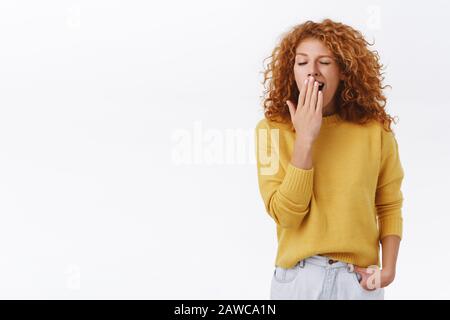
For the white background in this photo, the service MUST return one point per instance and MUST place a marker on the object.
(93, 204)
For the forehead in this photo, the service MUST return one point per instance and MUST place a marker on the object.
(312, 47)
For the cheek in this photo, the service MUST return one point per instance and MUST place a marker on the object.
(333, 86)
(333, 78)
(298, 78)
(300, 71)
(331, 91)
(332, 81)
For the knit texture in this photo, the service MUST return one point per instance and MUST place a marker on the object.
(345, 204)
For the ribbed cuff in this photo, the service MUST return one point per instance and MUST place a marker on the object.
(297, 184)
(391, 226)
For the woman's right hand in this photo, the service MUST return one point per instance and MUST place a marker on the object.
(307, 115)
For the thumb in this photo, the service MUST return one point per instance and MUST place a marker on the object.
(291, 108)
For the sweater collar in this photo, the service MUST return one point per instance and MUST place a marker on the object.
(331, 119)
(327, 121)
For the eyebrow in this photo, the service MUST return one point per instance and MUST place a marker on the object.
(304, 54)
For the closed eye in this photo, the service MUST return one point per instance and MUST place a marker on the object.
(303, 63)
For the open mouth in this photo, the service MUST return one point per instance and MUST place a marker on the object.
(321, 85)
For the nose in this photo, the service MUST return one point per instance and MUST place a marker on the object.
(314, 71)
(314, 74)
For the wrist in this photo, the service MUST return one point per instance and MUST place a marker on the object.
(389, 270)
(387, 276)
(303, 142)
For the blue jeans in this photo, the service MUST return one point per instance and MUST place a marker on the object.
(315, 278)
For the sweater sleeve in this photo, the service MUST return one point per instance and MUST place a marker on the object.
(286, 193)
(389, 197)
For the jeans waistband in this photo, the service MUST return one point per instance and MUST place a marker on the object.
(324, 261)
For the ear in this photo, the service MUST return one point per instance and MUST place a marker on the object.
(341, 76)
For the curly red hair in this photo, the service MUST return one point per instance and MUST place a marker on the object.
(359, 97)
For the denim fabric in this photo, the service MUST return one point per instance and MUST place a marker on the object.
(314, 278)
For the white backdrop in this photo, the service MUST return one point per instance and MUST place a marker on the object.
(126, 144)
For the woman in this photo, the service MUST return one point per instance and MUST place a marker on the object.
(329, 170)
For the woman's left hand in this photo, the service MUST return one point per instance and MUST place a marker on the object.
(386, 277)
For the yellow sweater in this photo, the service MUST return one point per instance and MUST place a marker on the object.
(345, 204)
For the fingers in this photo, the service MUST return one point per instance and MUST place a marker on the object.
(314, 96)
(309, 92)
(301, 97)
(319, 106)
(309, 97)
